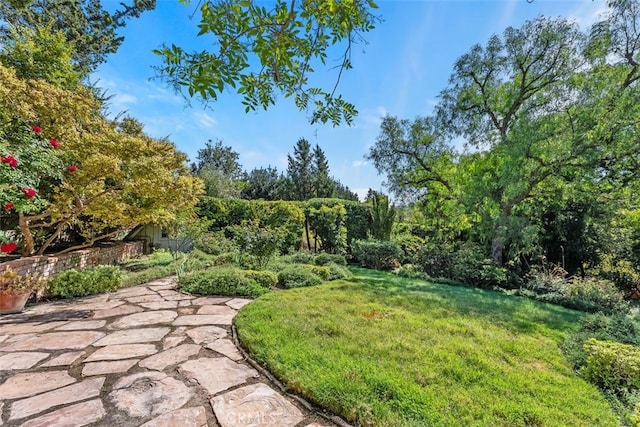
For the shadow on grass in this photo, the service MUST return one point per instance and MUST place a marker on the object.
(515, 313)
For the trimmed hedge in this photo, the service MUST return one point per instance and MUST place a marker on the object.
(78, 283)
(377, 254)
(221, 281)
(298, 276)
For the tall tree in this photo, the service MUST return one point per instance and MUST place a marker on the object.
(219, 157)
(548, 112)
(218, 167)
(300, 171)
(262, 52)
(40, 53)
(87, 26)
(109, 180)
(322, 183)
(263, 183)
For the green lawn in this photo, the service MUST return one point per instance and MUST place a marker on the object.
(381, 350)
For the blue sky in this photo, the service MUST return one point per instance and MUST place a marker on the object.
(406, 62)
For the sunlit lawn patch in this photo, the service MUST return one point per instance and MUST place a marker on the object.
(388, 351)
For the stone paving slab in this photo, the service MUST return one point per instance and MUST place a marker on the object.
(77, 415)
(217, 374)
(30, 383)
(109, 367)
(255, 405)
(56, 341)
(65, 359)
(122, 351)
(20, 360)
(133, 336)
(189, 417)
(70, 394)
(149, 393)
(142, 356)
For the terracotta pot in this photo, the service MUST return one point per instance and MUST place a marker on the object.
(13, 302)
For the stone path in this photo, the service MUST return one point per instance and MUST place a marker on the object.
(143, 356)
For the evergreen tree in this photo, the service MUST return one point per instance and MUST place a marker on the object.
(322, 183)
(300, 171)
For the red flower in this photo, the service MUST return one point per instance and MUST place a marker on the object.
(10, 160)
(55, 144)
(7, 206)
(29, 193)
(72, 168)
(36, 129)
(8, 247)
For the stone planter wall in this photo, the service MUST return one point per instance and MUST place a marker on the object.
(48, 265)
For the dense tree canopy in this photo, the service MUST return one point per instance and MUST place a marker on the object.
(550, 118)
(263, 52)
(86, 25)
(120, 177)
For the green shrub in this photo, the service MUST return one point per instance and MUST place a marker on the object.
(157, 258)
(323, 272)
(263, 277)
(77, 283)
(410, 245)
(221, 281)
(597, 291)
(377, 254)
(298, 276)
(612, 365)
(410, 271)
(618, 327)
(300, 258)
(465, 264)
(325, 258)
(337, 272)
(135, 278)
(622, 273)
(213, 243)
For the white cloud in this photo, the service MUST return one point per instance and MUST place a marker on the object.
(358, 163)
(205, 120)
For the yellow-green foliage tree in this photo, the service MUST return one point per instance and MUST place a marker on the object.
(120, 178)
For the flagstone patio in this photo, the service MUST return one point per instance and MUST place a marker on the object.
(143, 356)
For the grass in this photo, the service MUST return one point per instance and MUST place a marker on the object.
(382, 350)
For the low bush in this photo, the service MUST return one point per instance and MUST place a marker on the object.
(465, 264)
(597, 291)
(299, 258)
(618, 327)
(325, 258)
(337, 272)
(134, 278)
(377, 254)
(298, 276)
(213, 243)
(157, 258)
(410, 271)
(612, 365)
(410, 245)
(221, 281)
(76, 283)
(622, 273)
(263, 278)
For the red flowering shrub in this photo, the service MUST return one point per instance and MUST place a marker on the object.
(72, 168)
(8, 247)
(33, 167)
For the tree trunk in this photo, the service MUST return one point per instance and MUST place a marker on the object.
(27, 238)
(499, 240)
(306, 230)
